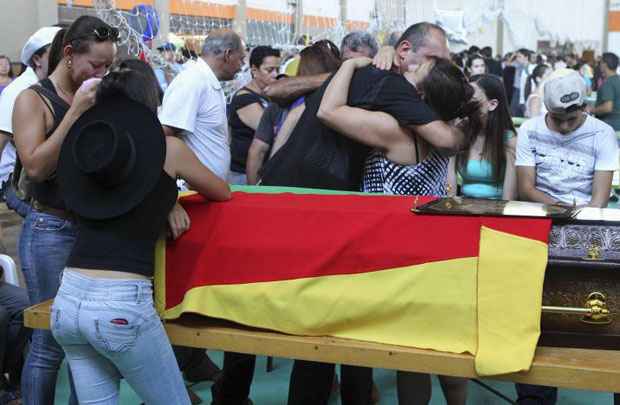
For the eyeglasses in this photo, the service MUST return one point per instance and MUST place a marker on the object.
(101, 34)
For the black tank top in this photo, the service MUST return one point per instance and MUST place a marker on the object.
(126, 243)
(47, 191)
(240, 134)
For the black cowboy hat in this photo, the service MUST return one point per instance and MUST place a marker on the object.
(111, 159)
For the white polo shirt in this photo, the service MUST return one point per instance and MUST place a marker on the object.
(195, 103)
(7, 102)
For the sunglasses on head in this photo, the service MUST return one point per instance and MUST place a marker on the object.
(326, 43)
(101, 34)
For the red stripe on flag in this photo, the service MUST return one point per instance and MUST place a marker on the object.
(270, 237)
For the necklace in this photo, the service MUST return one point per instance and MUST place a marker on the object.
(63, 91)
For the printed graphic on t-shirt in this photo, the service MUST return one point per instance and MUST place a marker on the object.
(564, 167)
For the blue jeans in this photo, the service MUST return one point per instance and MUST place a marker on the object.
(15, 203)
(109, 330)
(13, 335)
(44, 246)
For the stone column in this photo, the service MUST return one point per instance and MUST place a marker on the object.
(240, 23)
(163, 11)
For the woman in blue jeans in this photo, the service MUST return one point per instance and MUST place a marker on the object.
(117, 172)
(42, 117)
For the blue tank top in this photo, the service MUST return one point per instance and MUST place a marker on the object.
(478, 179)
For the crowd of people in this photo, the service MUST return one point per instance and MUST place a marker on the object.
(95, 148)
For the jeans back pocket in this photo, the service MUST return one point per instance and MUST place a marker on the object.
(117, 334)
(45, 222)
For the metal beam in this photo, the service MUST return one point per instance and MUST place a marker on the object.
(605, 42)
(240, 24)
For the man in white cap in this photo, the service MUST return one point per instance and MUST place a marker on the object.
(35, 56)
(566, 156)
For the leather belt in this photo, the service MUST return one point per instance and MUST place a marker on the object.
(52, 211)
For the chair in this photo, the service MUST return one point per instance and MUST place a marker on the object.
(10, 270)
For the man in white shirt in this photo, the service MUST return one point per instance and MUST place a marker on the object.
(194, 105)
(34, 55)
(566, 156)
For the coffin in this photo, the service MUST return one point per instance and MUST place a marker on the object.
(583, 272)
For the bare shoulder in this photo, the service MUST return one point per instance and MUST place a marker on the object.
(28, 99)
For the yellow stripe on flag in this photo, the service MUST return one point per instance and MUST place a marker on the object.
(511, 271)
(432, 305)
(159, 282)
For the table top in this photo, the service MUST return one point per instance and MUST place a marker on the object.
(596, 370)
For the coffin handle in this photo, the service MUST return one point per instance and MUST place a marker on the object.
(594, 311)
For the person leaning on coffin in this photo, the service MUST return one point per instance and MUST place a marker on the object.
(566, 156)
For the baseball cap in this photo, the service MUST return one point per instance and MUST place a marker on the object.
(564, 88)
(168, 46)
(43, 37)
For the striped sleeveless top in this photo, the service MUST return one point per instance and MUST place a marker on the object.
(425, 178)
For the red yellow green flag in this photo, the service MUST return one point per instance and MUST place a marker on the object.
(362, 267)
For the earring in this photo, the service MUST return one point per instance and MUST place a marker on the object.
(69, 63)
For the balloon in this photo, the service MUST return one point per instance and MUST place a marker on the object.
(143, 18)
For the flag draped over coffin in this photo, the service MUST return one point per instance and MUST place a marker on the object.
(362, 267)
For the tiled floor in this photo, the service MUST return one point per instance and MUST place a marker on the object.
(272, 388)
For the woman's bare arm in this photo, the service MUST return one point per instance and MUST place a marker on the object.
(510, 176)
(39, 156)
(372, 128)
(182, 162)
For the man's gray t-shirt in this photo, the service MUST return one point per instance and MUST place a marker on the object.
(565, 164)
(610, 91)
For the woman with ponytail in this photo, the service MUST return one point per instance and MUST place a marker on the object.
(42, 117)
(487, 167)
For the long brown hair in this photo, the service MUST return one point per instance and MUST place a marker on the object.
(498, 122)
(320, 57)
(447, 91)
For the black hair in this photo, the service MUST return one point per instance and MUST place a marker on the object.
(144, 68)
(474, 49)
(85, 31)
(611, 60)
(259, 54)
(56, 54)
(533, 80)
(457, 59)
(487, 52)
(498, 122)
(525, 52)
(540, 60)
(129, 83)
(417, 34)
(447, 91)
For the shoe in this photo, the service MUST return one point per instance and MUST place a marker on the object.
(205, 370)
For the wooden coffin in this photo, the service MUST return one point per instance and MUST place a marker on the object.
(583, 272)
